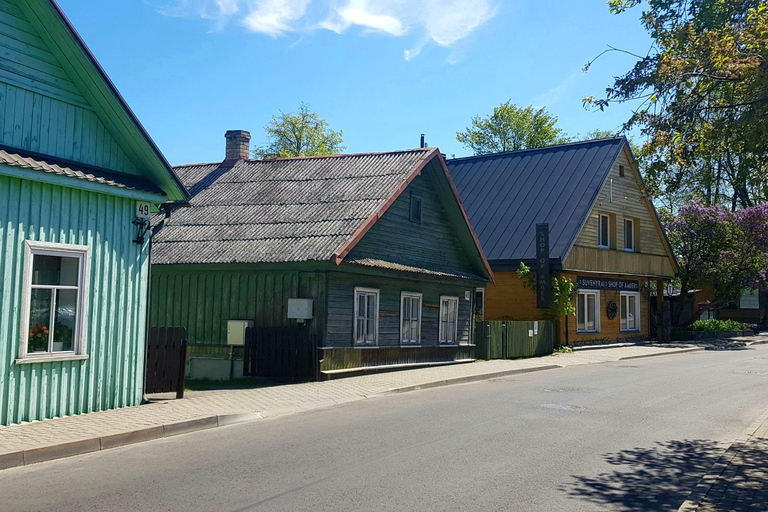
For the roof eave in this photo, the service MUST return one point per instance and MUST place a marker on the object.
(176, 190)
(478, 246)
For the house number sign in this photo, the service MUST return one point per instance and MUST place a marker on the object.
(142, 210)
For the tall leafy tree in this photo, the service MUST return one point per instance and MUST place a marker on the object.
(302, 133)
(510, 128)
(701, 96)
(727, 250)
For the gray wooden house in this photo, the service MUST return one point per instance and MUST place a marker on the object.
(378, 243)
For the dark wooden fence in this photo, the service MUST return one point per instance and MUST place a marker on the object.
(166, 359)
(281, 352)
(512, 340)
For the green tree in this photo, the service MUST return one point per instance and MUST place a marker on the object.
(301, 134)
(701, 98)
(510, 128)
(562, 293)
(724, 249)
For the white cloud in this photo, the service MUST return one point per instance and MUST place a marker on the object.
(227, 7)
(274, 17)
(361, 13)
(554, 94)
(441, 22)
(444, 22)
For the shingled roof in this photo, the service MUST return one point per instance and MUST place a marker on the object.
(47, 164)
(507, 194)
(283, 210)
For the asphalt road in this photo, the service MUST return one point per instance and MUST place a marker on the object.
(633, 435)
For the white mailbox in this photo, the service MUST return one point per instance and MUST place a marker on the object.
(301, 309)
(236, 332)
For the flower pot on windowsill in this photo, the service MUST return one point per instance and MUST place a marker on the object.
(58, 346)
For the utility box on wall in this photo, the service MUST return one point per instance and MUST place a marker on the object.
(301, 309)
(236, 332)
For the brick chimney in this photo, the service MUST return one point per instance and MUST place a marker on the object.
(238, 144)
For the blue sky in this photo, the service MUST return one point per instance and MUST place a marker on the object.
(382, 71)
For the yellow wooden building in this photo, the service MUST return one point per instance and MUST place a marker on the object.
(604, 234)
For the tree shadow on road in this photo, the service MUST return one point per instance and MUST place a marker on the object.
(648, 479)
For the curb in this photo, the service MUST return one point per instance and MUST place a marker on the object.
(95, 444)
(676, 351)
(697, 495)
(580, 348)
(471, 378)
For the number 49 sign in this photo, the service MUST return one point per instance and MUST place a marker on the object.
(142, 209)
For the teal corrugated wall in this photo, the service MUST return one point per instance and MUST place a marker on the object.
(113, 375)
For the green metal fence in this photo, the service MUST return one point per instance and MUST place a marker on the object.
(511, 340)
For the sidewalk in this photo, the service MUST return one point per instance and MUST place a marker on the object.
(63, 437)
(738, 481)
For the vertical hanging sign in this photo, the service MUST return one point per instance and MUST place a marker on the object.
(543, 281)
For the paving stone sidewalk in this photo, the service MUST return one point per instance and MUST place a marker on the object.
(738, 481)
(45, 440)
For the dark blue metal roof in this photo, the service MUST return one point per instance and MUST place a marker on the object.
(507, 194)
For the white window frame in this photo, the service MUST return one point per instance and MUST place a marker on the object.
(481, 291)
(583, 304)
(631, 222)
(83, 253)
(358, 291)
(442, 338)
(410, 295)
(624, 296)
(600, 231)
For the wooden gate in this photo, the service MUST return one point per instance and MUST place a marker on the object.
(281, 352)
(512, 340)
(166, 359)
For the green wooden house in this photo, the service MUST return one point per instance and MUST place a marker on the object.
(370, 255)
(76, 169)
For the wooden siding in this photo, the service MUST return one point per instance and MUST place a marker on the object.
(628, 203)
(342, 360)
(610, 330)
(431, 243)
(508, 299)
(341, 302)
(41, 109)
(115, 325)
(202, 300)
(599, 260)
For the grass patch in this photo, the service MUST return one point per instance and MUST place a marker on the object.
(242, 383)
(562, 350)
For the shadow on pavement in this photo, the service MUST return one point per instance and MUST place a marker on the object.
(648, 479)
(722, 344)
